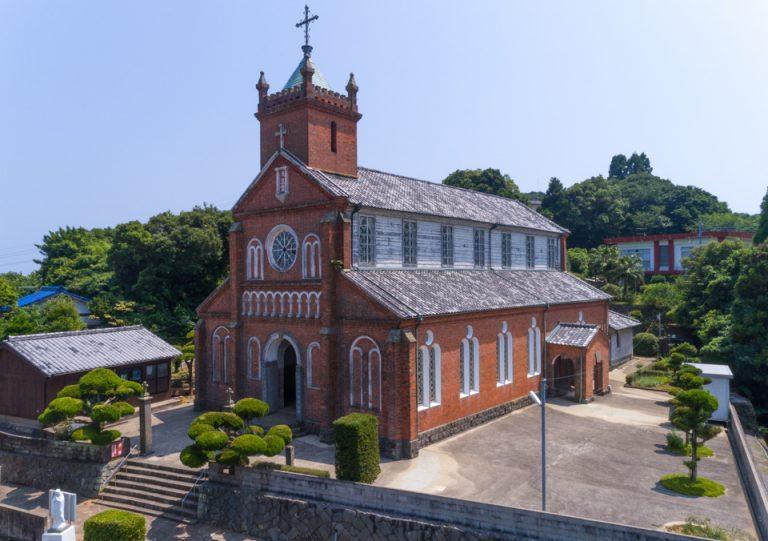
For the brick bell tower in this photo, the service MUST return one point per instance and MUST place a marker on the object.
(309, 119)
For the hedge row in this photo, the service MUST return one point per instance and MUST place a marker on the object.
(115, 525)
(357, 447)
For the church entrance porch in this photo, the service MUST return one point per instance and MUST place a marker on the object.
(563, 377)
(282, 382)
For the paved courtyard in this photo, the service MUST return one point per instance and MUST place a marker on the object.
(603, 462)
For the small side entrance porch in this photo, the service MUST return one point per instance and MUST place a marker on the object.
(577, 357)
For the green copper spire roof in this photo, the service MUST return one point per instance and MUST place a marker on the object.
(296, 78)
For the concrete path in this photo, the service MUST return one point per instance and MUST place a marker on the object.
(604, 460)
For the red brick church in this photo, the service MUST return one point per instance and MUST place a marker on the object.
(354, 290)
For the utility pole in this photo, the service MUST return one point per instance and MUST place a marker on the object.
(543, 403)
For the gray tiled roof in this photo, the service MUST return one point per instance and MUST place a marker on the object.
(618, 321)
(80, 351)
(376, 189)
(572, 334)
(412, 293)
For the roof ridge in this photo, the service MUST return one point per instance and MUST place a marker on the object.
(45, 335)
(448, 186)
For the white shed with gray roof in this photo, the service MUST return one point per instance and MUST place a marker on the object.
(621, 334)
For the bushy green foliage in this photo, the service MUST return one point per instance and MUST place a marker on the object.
(691, 413)
(124, 408)
(104, 437)
(578, 261)
(281, 431)
(675, 441)
(249, 408)
(85, 433)
(100, 382)
(676, 360)
(105, 413)
(8, 293)
(686, 349)
(115, 525)
(613, 290)
(60, 409)
(212, 440)
(485, 180)
(233, 441)
(71, 391)
(646, 344)
(762, 225)
(357, 447)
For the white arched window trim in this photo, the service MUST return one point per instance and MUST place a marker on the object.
(367, 366)
(310, 257)
(504, 356)
(475, 382)
(254, 260)
(470, 351)
(254, 358)
(534, 349)
(220, 355)
(311, 350)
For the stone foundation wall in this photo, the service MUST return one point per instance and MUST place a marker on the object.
(20, 525)
(44, 464)
(464, 424)
(278, 505)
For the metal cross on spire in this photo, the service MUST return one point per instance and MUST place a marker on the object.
(305, 24)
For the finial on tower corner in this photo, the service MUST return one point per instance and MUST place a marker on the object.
(262, 86)
(352, 91)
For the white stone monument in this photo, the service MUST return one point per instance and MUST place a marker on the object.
(62, 511)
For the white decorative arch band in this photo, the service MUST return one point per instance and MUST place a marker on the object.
(254, 260)
(294, 304)
(310, 257)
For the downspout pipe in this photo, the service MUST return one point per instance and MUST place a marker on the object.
(546, 351)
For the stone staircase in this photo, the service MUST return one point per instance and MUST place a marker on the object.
(155, 490)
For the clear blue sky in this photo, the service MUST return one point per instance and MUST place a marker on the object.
(112, 111)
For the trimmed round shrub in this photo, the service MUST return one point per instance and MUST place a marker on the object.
(281, 431)
(85, 433)
(248, 445)
(661, 364)
(60, 409)
(219, 419)
(637, 314)
(682, 484)
(274, 445)
(115, 525)
(105, 413)
(129, 388)
(248, 408)
(256, 430)
(612, 289)
(646, 344)
(101, 381)
(675, 441)
(230, 457)
(69, 391)
(195, 429)
(686, 349)
(124, 408)
(212, 440)
(105, 436)
(357, 447)
(194, 457)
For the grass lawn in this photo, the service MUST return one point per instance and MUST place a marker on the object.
(682, 484)
(701, 451)
(649, 380)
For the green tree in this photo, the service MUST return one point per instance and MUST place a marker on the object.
(618, 167)
(487, 181)
(660, 297)
(578, 261)
(98, 397)
(762, 226)
(19, 321)
(8, 293)
(727, 221)
(229, 438)
(555, 201)
(692, 411)
(60, 314)
(77, 259)
(638, 163)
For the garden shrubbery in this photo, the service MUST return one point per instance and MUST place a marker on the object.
(96, 399)
(357, 447)
(229, 438)
(115, 525)
(646, 344)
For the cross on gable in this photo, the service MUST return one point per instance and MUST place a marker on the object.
(281, 132)
(305, 24)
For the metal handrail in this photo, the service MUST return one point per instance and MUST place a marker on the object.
(198, 479)
(119, 466)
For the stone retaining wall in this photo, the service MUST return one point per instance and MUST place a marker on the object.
(757, 495)
(45, 464)
(278, 505)
(20, 525)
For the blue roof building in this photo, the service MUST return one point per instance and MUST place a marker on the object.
(46, 293)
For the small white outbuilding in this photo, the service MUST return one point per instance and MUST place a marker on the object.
(721, 377)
